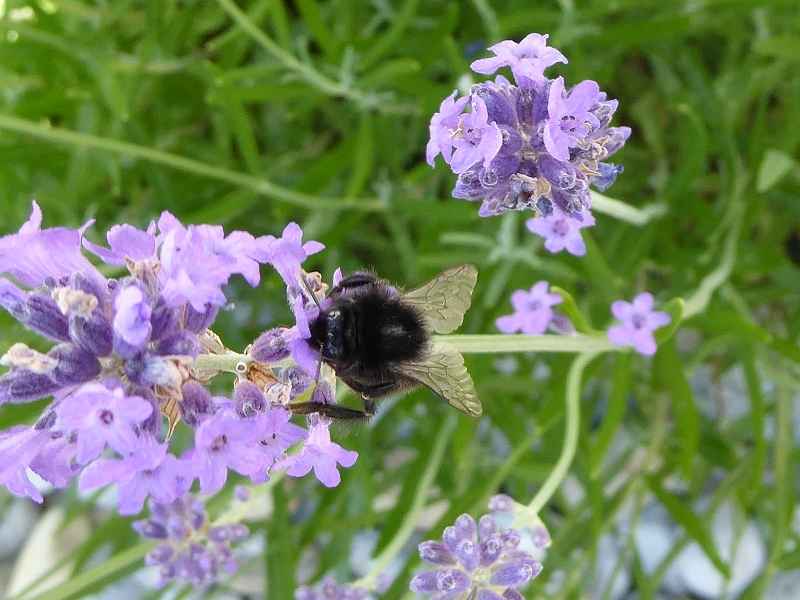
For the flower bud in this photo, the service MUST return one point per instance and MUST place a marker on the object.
(270, 346)
(75, 365)
(198, 322)
(436, 553)
(248, 399)
(93, 333)
(196, 404)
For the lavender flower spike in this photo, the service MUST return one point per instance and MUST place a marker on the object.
(529, 146)
(533, 310)
(638, 323)
(189, 550)
(475, 561)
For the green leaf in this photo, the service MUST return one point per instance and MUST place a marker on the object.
(111, 568)
(617, 402)
(774, 166)
(570, 309)
(280, 551)
(684, 406)
(674, 308)
(693, 524)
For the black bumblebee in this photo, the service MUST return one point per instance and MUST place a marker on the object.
(378, 341)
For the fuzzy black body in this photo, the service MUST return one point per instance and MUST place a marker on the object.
(379, 342)
(367, 334)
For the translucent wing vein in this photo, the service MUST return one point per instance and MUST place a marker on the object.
(444, 373)
(446, 297)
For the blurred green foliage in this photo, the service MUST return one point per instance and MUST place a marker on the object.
(257, 113)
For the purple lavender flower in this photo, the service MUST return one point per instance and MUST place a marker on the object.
(126, 242)
(99, 416)
(442, 126)
(224, 441)
(320, 454)
(148, 470)
(570, 120)
(475, 561)
(132, 317)
(123, 354)
(33, 254)
(527, 60)
(638, 323)
(533, 310)
(287, 253)
(475, 138)
(190, 549)
(18, 448)
(561, 231)
(330, 590)
(275, 436)
(529, 146)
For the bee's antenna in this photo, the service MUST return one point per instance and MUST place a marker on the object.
(310, 291)
(319, 306)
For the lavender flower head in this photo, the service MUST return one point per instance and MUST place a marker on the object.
(638, 322)
(475, 560)
(122, 358)
(191, 548)
(534, 145)
(328, 589)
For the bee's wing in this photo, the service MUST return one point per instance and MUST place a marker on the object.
(442, 371)
(446, 297)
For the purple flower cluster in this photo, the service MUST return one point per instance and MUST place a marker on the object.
(534, 145)
(123, 355)
(190, 548)
(638, 322)
(330, 590)
(475, 560)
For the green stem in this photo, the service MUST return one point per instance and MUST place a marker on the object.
(570, 445)
(181, 163)
(468, 344)
(623, 212)
(494, 343)
(417, 505)
(304, 71)
(220, 362)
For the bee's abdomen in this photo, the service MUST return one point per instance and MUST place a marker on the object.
(388, 331)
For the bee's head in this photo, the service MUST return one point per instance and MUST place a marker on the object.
(326, 334)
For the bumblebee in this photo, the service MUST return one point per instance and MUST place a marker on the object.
(378, 341)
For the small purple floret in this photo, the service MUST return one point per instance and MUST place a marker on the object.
(533, 310)
(638, 322)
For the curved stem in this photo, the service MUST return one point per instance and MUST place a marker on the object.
(570, 445)
(260, 186)
(625, 212)
(417, 505)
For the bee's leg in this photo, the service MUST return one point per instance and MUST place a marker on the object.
(332, 411)
(372, 392)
